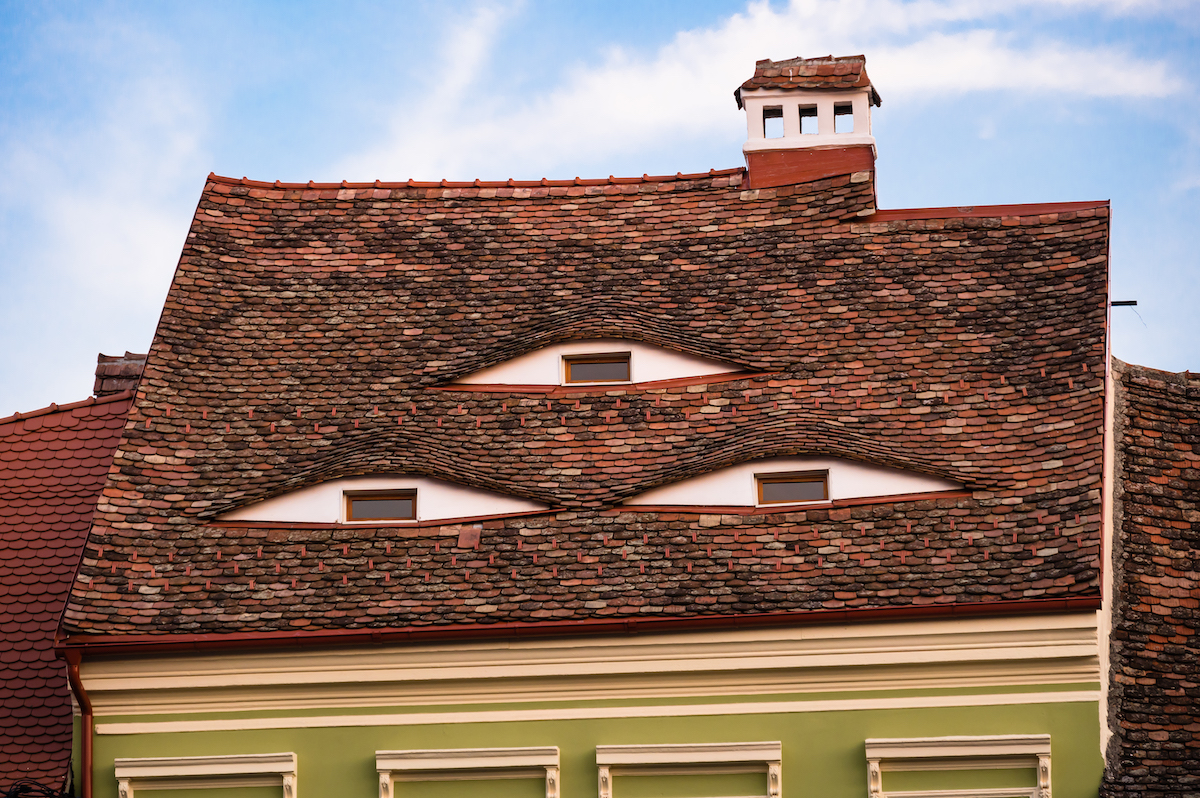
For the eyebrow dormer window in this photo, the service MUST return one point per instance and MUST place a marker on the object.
(396, 505)
(795, 488)
(612, 367)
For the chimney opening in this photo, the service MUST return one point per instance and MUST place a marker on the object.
(843, 117)
(773, 122)
(808, 120)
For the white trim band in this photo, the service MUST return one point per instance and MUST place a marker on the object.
(596, 713)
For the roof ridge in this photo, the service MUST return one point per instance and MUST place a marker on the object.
(510, 183)
(1013, 209)
(1136, 369)
(56, 408)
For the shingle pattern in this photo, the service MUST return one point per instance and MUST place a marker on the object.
(828, 73)
(52, 467)
(1155, 663)
(314, 332)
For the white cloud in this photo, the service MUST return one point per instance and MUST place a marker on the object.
(105, 193)
(985, 60)
(683, 91)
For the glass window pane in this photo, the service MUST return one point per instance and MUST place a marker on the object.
(391, 507)
(811, 489)
(614, 369)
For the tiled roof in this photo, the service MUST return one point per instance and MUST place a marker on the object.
(314, 332)
(827, 73)
(1155, 658)
(52, 465)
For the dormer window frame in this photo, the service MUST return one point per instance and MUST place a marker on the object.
(401, 494)
(775, 477)
(584, 358)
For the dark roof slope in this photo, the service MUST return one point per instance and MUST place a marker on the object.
(826, 74)
(1155, 662)
(52, 465)
(314, 332)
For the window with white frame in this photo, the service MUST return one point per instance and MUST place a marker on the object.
(144, 774)
(689, 759)
(466, 764)
(1018, 766)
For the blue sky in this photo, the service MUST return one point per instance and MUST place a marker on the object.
(113, 113)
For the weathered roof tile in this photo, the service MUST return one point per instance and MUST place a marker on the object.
(316, 332)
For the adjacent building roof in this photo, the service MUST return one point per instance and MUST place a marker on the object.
(1155, 652)
(53, 463)
(314, 332)
(826, 74)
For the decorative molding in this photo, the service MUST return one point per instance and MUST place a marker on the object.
(959, 753)
(968, 652)
(446, 764)
(593, 713)
(689, 758)
(198, 772)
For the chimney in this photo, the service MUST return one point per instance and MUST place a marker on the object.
(806, 119)
(116, 373)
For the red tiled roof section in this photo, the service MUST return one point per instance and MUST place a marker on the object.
(1155, 650)
(313, 333)
(53, 463)
(826, 74)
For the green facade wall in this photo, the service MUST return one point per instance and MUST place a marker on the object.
(823, 755)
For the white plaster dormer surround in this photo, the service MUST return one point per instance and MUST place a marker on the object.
(436, 500)
(689, 759)
(206, 772)
(737, 486)
(647, 363)
(790, 102)
(461, 764)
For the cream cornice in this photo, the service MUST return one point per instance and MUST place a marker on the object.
(1059, 649)
(593, 713)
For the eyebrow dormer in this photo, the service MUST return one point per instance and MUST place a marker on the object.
(600, 361)
(799, 110)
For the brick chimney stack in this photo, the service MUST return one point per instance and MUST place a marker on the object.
(116, 373)
(807, 118)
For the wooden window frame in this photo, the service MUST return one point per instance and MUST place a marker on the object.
(349, 496)
(599, 357)
(791, 476)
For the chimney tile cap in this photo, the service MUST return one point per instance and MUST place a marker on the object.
(827, 73)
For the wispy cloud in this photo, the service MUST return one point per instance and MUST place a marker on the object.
(986, 60)
(104, 198)
(682, 91)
